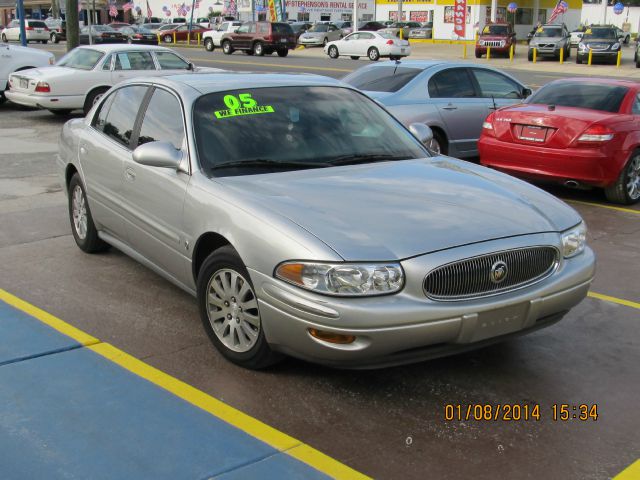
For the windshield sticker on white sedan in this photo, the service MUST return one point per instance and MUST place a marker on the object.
(241, 105)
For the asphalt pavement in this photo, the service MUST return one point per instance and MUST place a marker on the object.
(386, 423)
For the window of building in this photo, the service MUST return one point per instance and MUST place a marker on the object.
(325, 17)
(524, 16)
(303, 16)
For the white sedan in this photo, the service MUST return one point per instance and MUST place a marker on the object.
(83, 75)
(373, 45)
(15, 59)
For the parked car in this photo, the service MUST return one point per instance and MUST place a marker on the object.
(425, 31)
(149, 20)
(175, 20)
(203, 22)
(377, 250)
(152, 27)
(16, 58)
(211, 39)
(372, 45)
(549, 40)
(370, 26)
(580, 132)
(118, 25)
(84, 74)
(139, 35)
(182, 32)
(453, 99)
(35, 30)
(603, 43)
(636, 55)
(259, 38)
(576, 36)
(403, 28)
(497, 36)
(299, 28)
(58, 29)
(101, 34)
(320, 34)
(624, 37)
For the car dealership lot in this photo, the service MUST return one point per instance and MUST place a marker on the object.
(385, 423)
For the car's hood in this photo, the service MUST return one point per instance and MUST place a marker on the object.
(395, 210)
(546, 39)
(600, 40)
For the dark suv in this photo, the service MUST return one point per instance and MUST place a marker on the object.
(259, 38)
(603, 41)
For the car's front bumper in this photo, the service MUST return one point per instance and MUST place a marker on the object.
(408, 327)
(50, 102)
(546, 51)
(310, 42)
(598, 54)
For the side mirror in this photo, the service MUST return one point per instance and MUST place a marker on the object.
(191, 67)
(526, 92)
(158, 154)
(423, 133)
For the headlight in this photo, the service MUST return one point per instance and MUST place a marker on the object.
(343, 279)
(615, 46)
(582, 46)
(574, 241)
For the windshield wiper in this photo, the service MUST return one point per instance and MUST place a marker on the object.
(355, 159)
(266, 162)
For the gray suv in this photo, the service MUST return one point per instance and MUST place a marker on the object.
(549, 41)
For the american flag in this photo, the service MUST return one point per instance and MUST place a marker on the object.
(182, 10)
(561, 7)
(113, 11)
(127, 6)
(149, 12)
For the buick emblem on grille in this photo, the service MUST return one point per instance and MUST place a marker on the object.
(498, 272)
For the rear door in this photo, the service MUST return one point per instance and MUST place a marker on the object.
(132, 64)
(154, 196)
(362, 44)
(453, 92)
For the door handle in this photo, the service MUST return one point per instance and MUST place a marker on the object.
(450, 107)
(130, 174)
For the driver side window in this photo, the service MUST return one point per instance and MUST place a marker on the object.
(493, 84)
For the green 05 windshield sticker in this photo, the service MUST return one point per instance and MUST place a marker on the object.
(242, 105)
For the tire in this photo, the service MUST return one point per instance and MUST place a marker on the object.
(92, 98)
(478, 54)
(283, 52)
(439, 144)
(4, 38)
(229, 311)
(167, 39)
(373, 54)
(55, 38)
(333, 52)
(61, 112)
(626, 189)
(578, 59)
(258, 49)
(44, 42)
(2, 98)
(325, 41)
(84, 230)
(567, 54)
(626, 40)
(227, 49)
(530, 55)
(208, 45)
(353, 57)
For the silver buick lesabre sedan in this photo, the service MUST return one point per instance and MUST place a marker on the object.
(308, 221)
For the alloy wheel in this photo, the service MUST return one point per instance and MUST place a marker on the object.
(232, 308)
(79, 212)
(633, 176)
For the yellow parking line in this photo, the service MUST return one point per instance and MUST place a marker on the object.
(252, 426)
(611, 207)
(276, 65)
(619, 301)
(632, 472)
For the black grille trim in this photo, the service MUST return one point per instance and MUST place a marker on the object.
(470, 277)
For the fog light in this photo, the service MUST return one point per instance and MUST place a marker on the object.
(332, 337)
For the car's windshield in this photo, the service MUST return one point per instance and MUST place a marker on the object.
(299, 126)
(495, 30)
(548, 32)
(594, 96)
(606, 33)
(319, 27)
(382, 79)
(80, 58)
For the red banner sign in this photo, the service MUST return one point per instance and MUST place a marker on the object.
(460, 18)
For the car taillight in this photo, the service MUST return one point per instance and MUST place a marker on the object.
(597, 134)
(43, 87)
(137, 35)
(28, 28)
(389, 42)
(487, 125)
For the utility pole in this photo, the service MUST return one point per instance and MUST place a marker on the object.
(23, 32)
(55, 9)
(73, 32)
(354, 22)
(399, 19)
(89, 20)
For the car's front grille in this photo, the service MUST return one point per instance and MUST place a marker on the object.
(480, 276)
(546, 45)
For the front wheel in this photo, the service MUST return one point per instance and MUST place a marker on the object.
(258, 49)
(4, 38)
(373, 54)
(578, 59)
(230, 312)
(333, 52)
(478, 54)
(227, 49)
(167, 39)
(208, 45)
(626, 189)
(84, 231)
(283, 52)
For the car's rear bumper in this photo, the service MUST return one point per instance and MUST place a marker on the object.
(405, 328)
(591, 166)
(50, 102)
(32, 36)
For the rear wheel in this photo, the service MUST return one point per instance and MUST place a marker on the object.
(283, 52)
(84, 231)
(93, 98)
(333, 52)
(325, 41)
(258, 49)
(227, 49)
(230, 312)
(208, 45)
(54, 38)
(373, 54)
(167, 39)
(478, 54)
(626, 189)
(4, 38)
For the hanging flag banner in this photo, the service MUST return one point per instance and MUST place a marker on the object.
(278, 5)
(272, 11)
(460, 18)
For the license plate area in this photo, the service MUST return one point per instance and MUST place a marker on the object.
(501, 321)
(24, 83)
(532, 133)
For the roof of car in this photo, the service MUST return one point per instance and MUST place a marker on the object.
(110, 47)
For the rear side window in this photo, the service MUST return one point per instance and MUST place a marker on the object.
(365, 36)
(118, 123)
(594, 96)
(162, 120)
(134, 61)
(282, 28)
(171, 61)
(263, 28)
(33, 24)
(451, 83)
(382, 79)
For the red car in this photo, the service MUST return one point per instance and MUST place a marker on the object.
(182, 32)
(577, 132)
(499, 37)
